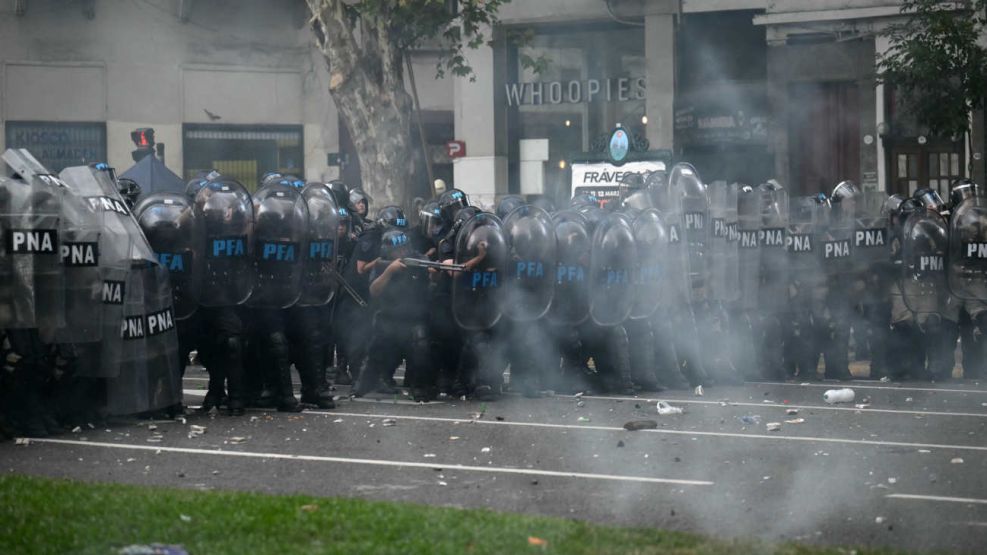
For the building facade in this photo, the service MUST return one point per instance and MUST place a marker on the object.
(746, 90)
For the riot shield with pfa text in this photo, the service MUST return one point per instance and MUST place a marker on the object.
(723, 264)
(31, 274)
(531, 278)
(224, 209)
(280, 227)
(478, 293)
(651, 243)
(613, 258)
(925, 245)
(571, 303)
(321, 252)
(967, 268)
(169, 223)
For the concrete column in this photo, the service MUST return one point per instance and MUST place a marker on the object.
(482, 174)
(534, 154)
(659, 51)
(881, 45)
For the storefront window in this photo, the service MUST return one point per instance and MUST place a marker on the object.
(243, 152)
(59, 145)
(594, 79)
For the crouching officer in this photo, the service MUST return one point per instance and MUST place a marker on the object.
(399, 302)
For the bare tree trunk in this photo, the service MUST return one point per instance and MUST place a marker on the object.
(366, 81)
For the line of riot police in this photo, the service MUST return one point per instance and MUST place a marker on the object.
(676, 284)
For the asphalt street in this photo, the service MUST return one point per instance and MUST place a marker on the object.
(906, 469)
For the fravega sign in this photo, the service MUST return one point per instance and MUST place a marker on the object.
(615, 89)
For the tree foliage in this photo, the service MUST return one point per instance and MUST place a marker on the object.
(936, 62)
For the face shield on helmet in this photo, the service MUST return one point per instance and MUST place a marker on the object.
(584, 199)
(843, 191)
(391, 217)
(962, 190)
(359, 202)
(451, 202)
(431, 224)
(509, 204)
(929, 199)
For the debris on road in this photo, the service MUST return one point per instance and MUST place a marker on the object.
(773, 426)
(429, 455)
(635, 425)
(583, 419)
(957, 460)
(237, 440)
(195, 430)
(485, 450)
(22, 441)
(833, 396)
(389, 422)
(862, 405)
(77, 429)
(580, 403)
(620, 443)
(698, 391)
(750, 418)
(795, 421)
(664, 409)
(892, 480)
(880, 519)
(791, 412)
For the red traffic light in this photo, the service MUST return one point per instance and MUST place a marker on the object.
(143, 137)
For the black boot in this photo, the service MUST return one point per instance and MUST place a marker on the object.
(234, 375)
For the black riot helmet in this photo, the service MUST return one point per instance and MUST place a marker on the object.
(395, 244)
(451, 202)
(431, 224)
(340, 191)
(929, 199)
(390, 217)
(270, 177)
(508, 204)
(359, 202)
(637, 200)
(129, 190)
(593, 214)
(962, 190)
(844, 190)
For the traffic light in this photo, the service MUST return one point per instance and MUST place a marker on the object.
(144, 139)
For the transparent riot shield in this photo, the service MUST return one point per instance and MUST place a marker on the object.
(651, 243)
(723, 262)
(772, 247)
(749, 204)
(925, 245)
(571, 303)
(80, 232)
(145, 343)
(871, 241)
(478, 294)
(226, 214)
(807, 225)
(612, 264)
(321, 252)
(31, 275)
(280, 227)
(170, 226)
(684, 183)
(967, 269)
(530, 279)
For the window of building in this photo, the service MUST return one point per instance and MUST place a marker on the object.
(243, 152)
(594, 80)
(59, 145)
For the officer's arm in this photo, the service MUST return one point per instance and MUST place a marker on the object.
(379, 284)
(475, 261)
(363, 267)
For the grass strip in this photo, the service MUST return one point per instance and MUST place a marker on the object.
(39, 515)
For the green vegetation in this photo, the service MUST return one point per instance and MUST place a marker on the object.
(58, 516)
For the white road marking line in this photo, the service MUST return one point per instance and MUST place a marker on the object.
(780, 405)
(967, 500)
(202, 393)
(381, 462)
(671, 432)
(857, 385)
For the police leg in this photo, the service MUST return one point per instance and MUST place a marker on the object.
(978, 314)
(668, 370)
(687, 347)
(640, 342)
(383, 356)
(228, 328)
(419, 364)
(877, 318)
(279, 368)
(24, 360)
(836, 343)
(487, 378)
(942, 339)
(306, 334)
